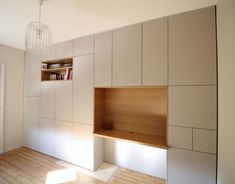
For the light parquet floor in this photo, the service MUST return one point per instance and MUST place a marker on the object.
(25, 166)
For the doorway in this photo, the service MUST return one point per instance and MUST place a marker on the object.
(1, 106)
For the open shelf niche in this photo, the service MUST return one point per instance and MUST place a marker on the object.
(134, 114)
(60, 69)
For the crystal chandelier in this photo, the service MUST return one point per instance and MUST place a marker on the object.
(38, 36)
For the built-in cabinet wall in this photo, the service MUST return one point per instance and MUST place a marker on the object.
(59, 115)
(177, 51)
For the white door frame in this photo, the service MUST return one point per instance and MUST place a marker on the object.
(2, 73)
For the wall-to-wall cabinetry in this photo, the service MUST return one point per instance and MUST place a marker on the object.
(177, 53)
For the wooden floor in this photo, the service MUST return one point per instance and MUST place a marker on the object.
(24, 166)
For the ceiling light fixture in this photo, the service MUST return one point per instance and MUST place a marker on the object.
(38, 36)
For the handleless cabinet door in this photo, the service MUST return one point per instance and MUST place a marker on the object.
(103, 59)
(155, 52)
(127, 56)
(82, 146)
(52, 55)
(83, 96)
(65, 49)
(63, 102)
(32, 75)
(47, 136)
(192, 48)
(63, 138)
(31, 122)
(47, 105)
(84, 45)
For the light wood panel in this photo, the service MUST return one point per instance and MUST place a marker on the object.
(132, 112)
(24, 166)
(140, 138)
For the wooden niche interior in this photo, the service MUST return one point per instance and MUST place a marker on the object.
(133, 114)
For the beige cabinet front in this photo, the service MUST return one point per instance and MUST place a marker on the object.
(47, 136)
(65, 49)
(103, 59)
(47, 99)
(31, 122)
(192, 48)
(127, 56)
(155, 52)
(32, 75)
(63, 138)
(84, 45)
(83, 146)
(83, 89)
(63, 105)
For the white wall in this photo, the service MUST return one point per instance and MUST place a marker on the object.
(13, 107)
(145, 159)
(226, 65)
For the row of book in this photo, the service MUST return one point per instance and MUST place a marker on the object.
(67, 75)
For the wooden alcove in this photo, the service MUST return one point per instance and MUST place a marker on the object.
(45, 72)
(133, 114)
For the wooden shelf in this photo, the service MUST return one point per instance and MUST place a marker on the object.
(56, 69)
(145, 139)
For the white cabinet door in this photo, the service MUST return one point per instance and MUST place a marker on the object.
(191, 167)
(155, 52)
(31, 122)
(84, 45)
(192, 48)
(47, 105)
(103, 59)
(83, 89)
(193, 106)
(32, 75)
(52, 54)
(47, 136)
(83, 146)
(63, 102)
(63, 136)
(65, 49)
(127, 56)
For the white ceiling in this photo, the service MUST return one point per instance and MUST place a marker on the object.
(69, 19)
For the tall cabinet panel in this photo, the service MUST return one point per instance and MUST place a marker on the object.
(65, 49)
(64, 98)
(155, 52)
(47, 136)
(84, 45)
(47, 105)
(32, 75)
(31, 122)
(63, 138)
(127, 56)
(103, 59)
(192, 48)
(83, 146)
(83, 89)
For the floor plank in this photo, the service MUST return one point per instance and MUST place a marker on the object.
(25, 166)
